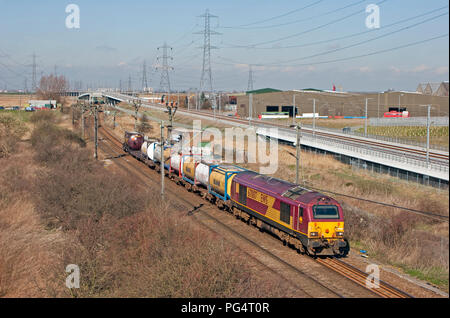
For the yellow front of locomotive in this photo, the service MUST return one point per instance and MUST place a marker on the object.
(326, 229)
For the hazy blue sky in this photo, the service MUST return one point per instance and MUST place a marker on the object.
(115, 37)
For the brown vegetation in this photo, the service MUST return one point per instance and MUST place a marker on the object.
(52, 87)
(59, 206)
(11, 131)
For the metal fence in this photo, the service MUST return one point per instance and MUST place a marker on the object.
(409, 121)
(397, 140)
(367, 150)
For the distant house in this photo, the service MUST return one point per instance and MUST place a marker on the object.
(442, 90)
(436, 89)
(420, 88)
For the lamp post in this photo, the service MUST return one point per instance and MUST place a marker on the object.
(297, 157)
(314, 116)
(293, 108)
(428, 133)
(365, 119)
(399, 96)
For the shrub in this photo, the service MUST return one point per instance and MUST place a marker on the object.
(11, 131)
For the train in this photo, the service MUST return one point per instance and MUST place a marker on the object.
(309, 221)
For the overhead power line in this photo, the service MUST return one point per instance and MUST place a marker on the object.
(275, 17)
(425, 213)
(361, 42)
(345, 36)
(309, 30)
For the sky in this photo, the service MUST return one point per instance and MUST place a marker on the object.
(291, 44)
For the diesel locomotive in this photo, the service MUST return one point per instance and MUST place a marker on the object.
(310, 221)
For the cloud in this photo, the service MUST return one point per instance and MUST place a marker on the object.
(395, 69)
(364, 69)
(105, 48)
(441, 70)
(420, 68)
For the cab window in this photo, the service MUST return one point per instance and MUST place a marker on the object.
(325, 212)
(285, 212)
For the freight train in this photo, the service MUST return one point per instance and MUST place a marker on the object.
(309, 221)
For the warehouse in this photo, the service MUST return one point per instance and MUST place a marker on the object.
(333, 103)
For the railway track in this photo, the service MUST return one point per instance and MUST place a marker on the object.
(384, 290)
(433, 155)
(412, 153)
(291, 273)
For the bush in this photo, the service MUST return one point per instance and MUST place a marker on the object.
(43, 116)
(11, 131)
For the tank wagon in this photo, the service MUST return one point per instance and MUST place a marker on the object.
(311, 222)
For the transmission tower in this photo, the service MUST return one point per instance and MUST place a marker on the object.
(144, 77)
(33, 78)
(129, 84)
(164, 84)
(206, 77)
(250, 78)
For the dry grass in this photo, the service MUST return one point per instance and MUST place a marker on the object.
(66, 208)
(415, 243)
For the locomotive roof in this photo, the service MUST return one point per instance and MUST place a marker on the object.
(278, 187)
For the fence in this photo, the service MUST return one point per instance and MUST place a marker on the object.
(397, 140)
(411, 121)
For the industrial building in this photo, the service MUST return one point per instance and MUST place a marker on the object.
(333, 103)
(436, 89)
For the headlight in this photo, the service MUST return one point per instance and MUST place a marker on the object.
(339, 233)
(313, 234)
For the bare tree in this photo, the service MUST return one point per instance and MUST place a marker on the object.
(53, 87)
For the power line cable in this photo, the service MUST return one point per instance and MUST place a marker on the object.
(307, 31)
(346, 36)
(426, 213)
(348, 58)
(276, 17)
(361, 42)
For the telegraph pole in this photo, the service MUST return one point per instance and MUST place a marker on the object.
(137, 104)
(428, 135)
(96, 130)
(162, 159)
(171, 110)
(298, 148)
(298, 153)
(83, 108)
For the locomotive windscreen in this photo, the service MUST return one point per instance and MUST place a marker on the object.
(326, 212)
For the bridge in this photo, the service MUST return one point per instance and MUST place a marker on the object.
(403, 161)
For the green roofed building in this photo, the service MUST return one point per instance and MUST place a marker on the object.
(263, 90)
